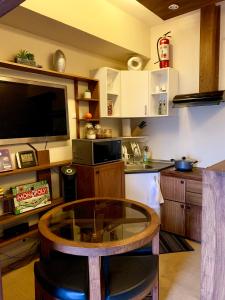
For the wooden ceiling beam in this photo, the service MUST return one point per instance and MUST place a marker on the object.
(8, 5)
(160, 7)
(209, 48)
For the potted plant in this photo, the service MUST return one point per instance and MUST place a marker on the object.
(25, 57)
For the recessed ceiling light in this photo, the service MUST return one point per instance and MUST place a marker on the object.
(173, 6)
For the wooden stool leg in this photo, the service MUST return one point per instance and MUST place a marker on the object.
(155, 251)
(1, 291)
(155, 290)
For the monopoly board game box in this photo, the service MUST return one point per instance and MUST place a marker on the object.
(30, 196)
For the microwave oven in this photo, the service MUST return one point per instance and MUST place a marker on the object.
(99, 151)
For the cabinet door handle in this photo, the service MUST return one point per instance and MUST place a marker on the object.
(145, 110)
(182, 205)
(188, 207)
(182, 182)
(97, 172)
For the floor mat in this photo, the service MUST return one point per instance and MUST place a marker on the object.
(170, 243)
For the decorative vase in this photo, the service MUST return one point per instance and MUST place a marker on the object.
(59, 61)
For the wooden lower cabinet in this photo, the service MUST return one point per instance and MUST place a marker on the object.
(181, 212)
(172, 217)
(182, 219)
(193, 222)
(105, 180)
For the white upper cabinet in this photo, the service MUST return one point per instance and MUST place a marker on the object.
(109, 79)
(134, 94)
(163, 84)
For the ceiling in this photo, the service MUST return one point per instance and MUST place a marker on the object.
(135, 9)
(160, 7)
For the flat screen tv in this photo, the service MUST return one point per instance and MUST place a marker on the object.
(31, 111)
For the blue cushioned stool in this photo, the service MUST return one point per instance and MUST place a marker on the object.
(127, 277)
(63, 276)
(145, 250)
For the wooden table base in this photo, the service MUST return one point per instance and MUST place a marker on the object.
(94, 277)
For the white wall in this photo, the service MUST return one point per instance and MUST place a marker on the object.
(195, 132)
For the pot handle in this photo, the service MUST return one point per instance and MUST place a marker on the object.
(172, 159)
(183, 158)
(194, 162)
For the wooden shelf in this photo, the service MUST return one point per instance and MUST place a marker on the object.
(89, 120)
(35, 168)
(10, 218)
(25, 68)
(86, 99)
(91, 105)
(33, 230)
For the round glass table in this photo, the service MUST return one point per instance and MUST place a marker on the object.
(96, 227)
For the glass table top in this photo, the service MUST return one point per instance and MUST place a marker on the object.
(99, 220)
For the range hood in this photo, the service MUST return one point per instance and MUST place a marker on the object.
(209, 62)
(199, 99)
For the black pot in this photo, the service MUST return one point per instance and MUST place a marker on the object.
(184, 164)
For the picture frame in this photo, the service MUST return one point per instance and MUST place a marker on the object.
(5, 160)
(26, 159)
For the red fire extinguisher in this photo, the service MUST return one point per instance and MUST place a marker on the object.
(163, 50)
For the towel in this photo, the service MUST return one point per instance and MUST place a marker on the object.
(157, 191)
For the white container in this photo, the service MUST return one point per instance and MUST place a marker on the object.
(87, 95)
(126, 128)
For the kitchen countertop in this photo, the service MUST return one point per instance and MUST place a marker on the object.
(150, 167)
(195, 174)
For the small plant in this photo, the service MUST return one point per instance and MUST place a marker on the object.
(24, 54)
(25, 57)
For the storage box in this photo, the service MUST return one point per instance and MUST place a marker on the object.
(43, 157)
(30, 196)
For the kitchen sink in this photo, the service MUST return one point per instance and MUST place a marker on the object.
(138, 167)
(154, 166)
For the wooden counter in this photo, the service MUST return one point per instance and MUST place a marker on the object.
(195, 174)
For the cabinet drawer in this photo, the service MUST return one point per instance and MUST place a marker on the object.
(194, 198)
(194, 186)
(173, 188)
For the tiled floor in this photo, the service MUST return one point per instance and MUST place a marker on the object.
(179, 278)
(180, 275)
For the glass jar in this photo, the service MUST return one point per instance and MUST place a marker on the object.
(98, 131)
(90, 131)
(107, 133)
